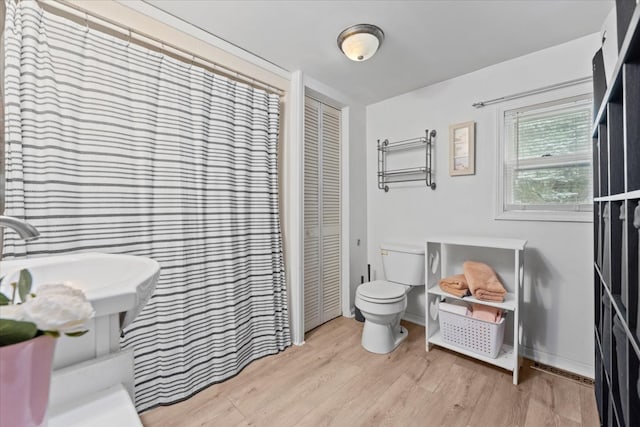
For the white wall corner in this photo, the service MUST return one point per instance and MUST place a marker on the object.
(175, 22)
(326, 94)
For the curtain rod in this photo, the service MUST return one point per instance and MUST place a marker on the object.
(544, 89)
(64, 7)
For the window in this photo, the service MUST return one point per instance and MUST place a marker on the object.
(546, 161)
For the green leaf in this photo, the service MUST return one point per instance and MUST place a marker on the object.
(14, 331)
(24, 284)
(4, 300)
(54, 334)
(76, 334)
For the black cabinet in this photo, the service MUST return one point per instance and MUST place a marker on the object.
(616, 226)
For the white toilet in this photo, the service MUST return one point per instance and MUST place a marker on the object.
(382, 302)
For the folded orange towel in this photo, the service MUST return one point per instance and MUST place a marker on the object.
(486, 313)
(483, 282)
(455, 285)
(483, 295)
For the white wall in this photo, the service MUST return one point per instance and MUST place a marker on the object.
(357, 198)
(609, 33)
(558, 300)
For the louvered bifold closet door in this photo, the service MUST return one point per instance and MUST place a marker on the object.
(330, 221)
(321, 214)
(312, 260)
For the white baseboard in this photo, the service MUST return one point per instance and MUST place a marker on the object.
(569, 365)
(414, 318)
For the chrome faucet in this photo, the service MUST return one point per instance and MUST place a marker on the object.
(25, 230)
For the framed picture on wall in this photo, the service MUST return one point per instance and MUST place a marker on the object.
(462, 149)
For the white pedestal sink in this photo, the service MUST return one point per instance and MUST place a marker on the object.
(118, 287)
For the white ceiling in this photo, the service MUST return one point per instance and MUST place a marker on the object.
(425, 41)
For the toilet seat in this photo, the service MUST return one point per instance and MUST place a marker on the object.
(382, 292)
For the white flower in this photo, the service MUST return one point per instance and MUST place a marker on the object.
(12, 312)
(59, 308)
(60, 289)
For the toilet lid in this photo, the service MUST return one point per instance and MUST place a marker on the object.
(382, 291)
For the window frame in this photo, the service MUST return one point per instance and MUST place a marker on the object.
(502, 212)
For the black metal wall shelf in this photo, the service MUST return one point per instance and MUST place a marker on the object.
(419, 173)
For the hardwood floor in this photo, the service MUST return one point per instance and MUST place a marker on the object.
(333, 381)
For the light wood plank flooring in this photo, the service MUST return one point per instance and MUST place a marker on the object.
(332, 381)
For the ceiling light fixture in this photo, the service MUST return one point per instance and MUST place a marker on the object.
(360, 42)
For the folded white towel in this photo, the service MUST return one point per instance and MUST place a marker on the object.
(457, 307)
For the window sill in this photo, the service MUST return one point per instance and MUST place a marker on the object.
(554, 216)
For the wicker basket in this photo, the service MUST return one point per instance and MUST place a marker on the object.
(475, 335)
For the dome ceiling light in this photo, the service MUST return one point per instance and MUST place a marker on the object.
(360, 42)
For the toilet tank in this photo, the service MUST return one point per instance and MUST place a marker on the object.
(403, 263)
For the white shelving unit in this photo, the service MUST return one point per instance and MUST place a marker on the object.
(445, 256)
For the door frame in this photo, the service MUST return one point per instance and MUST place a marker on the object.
(301, 86)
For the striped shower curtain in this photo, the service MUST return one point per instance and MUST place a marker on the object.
(113, 147)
